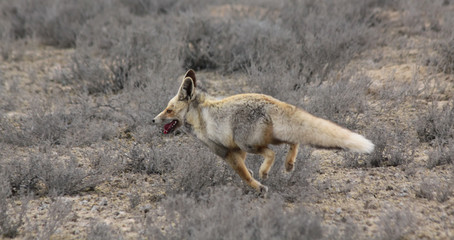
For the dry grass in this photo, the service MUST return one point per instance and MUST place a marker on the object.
(70, 134)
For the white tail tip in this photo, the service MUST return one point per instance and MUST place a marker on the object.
(358, 143)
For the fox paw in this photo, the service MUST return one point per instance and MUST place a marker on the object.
(263, 190)
(263, 175)
(289, 167)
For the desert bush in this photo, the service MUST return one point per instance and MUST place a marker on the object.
(291, 83)
(226, 213)
(77, 123)
(160, 7)
(145, 7)
(54, 171)
(152, 158)
(195, 169)
(14, 20)
(139, 58)
(11, 215)
(232, 45)
(61, 22)
(330, 33)
(343, 100)
(56, 216)
(140, 160)
(445, 61)
(99, 230)
(311, 44)
(55, 23)
(435, 189)
(393, 147)
(441, 154)
(9, 92)
(436, 124)
(90, 75)
(395, 224)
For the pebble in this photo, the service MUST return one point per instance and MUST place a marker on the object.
(103, 202)
(338, 210)
(119, 214)
(43, 206)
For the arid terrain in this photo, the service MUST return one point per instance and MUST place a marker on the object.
(80, 82)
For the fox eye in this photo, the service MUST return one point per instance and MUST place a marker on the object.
(169, 111)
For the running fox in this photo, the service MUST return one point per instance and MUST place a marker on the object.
(249, 123)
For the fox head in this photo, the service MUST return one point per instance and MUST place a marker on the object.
(174, 114)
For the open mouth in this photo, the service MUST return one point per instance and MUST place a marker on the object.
(170, 127)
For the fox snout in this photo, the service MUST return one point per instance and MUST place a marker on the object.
(169, 122)
(157, 119)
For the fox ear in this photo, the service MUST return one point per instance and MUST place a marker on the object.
(187, 89)
(190, 73)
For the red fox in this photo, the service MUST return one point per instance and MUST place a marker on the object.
(249, 123)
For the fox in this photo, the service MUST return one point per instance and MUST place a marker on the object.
(236, 125)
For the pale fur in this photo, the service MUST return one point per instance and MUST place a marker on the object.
(242, 123)
(308, 129)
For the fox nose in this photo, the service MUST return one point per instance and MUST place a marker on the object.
(153, 121)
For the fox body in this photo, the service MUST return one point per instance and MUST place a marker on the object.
(249, 123)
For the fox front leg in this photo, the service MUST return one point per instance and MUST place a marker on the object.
(236, 161)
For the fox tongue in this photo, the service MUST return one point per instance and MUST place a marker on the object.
(169, 126)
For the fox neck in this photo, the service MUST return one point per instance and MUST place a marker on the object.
(193, 121)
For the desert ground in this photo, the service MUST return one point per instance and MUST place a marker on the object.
(80, 82)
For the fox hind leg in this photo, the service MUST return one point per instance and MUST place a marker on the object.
(269, 156)
(236, 161)
(291, 156)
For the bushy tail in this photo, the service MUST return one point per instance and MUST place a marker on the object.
(307, 129)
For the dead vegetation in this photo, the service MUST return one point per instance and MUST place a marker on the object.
(81, 80)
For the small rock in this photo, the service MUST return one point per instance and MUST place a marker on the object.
(74, 217)
(338, 210)
(94, 208)
(119, 214)
(43, 206)
(84, 202)
(103, 202)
